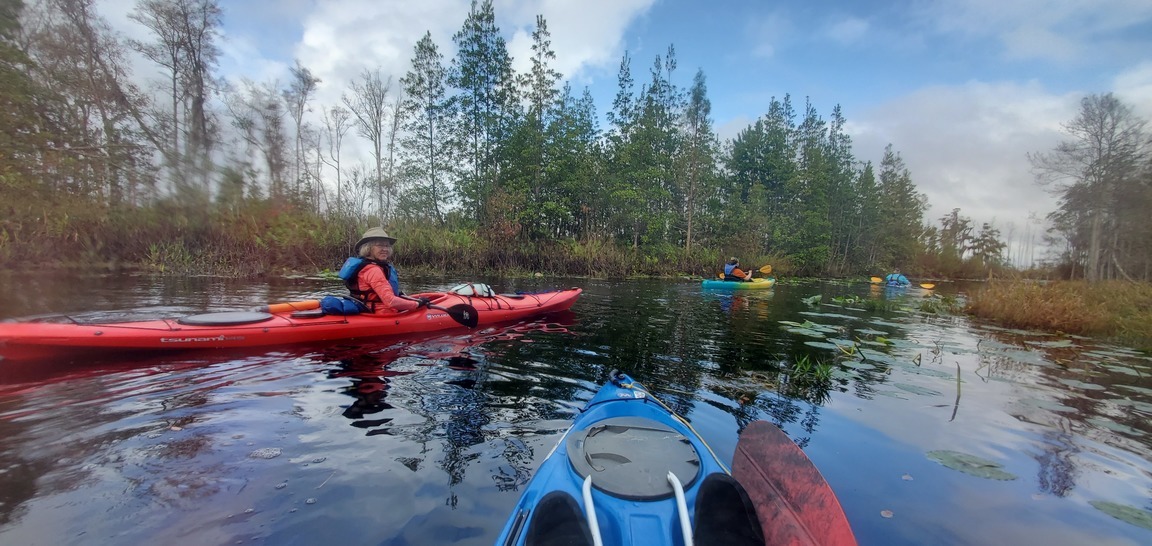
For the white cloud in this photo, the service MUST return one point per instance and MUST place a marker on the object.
(341, 38)
(966, 146)
(1056, 30)
(847, 31)
(1028, 42)
(1134, 86)
(587, 36)
(765, 33)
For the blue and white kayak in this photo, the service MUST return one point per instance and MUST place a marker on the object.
(630, 471)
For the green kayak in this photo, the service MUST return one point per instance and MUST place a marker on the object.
(754, 284)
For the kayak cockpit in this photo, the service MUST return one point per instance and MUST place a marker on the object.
(630, 457)
(227, 318)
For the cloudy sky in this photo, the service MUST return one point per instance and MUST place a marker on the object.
(963, 89)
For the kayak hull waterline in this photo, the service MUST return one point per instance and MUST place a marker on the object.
(37, 340)
(754, 284)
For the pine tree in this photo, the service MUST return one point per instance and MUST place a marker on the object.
(700, 153)
(428, 145)
(486, 105)
(901, 212)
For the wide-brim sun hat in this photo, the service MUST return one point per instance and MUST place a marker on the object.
(374, 233)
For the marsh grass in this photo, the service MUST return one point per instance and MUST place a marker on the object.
(1116, 310)
(261, 239)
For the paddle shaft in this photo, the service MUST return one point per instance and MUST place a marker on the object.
(463, 313)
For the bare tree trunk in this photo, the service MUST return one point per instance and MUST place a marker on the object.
(1092, 271)
(368, 104)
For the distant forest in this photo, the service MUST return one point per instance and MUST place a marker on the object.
(474, 165)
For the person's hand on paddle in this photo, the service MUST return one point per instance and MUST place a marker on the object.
(423, 302)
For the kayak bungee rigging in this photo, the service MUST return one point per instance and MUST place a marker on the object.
(631, 471)
(297, 322)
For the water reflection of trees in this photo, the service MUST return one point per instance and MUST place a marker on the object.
(459, 395)
(1083, 399)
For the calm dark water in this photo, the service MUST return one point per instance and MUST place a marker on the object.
(428, 440)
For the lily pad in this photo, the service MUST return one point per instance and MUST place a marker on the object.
(916, 389)
(858, 365)
(1121, 369)
(1114, 426)
(930, 372)
(821, 344)
(1137, 405)
(886, 323)
(807, 332)
(889, 394)
(906, 344)
(821, 327)
(1142, 390)
(1128, 514)
(828, 315)
(1117, 351)
(877, 356)
(1077, 384)
(839, 374)
(1049, 405)
(1058, 343)
(971, 464)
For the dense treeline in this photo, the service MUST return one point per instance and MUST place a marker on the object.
(470, 162)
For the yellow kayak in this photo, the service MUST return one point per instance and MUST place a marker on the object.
(754, 284)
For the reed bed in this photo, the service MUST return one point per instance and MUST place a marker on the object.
(1116, 310)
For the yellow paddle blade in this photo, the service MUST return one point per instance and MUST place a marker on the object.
(927, 286)
(766, 269)
(877, 280)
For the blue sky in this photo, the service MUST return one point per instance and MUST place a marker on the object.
(963, 89)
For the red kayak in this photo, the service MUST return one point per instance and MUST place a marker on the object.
(286, 323)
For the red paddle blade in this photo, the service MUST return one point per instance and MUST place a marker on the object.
(794, 503)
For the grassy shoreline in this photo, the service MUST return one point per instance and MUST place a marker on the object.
(1113, 310)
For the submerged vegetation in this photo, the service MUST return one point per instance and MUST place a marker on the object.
(1116, 310)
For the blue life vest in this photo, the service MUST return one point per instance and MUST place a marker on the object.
(350, 273)
(728, 276)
